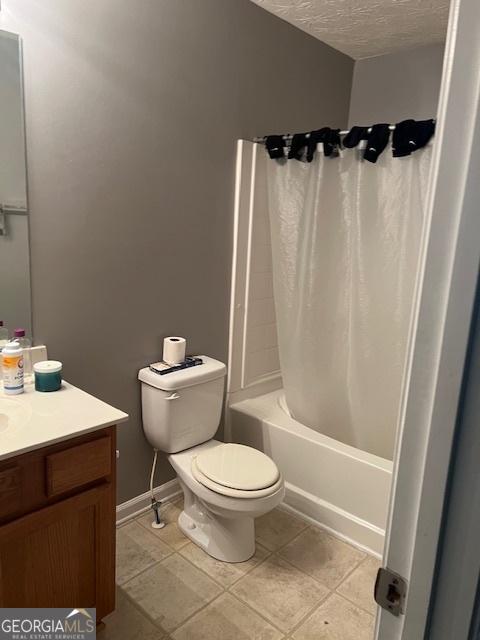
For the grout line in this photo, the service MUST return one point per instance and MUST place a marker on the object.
(355, 604)
(263, 323)
(359, 606)
(155, 622)
(316, 524)
(311, 612)
(307, 575)
(235, 582)
(317, 580)
(357, 566)
(156, 538)
(219, 584)
(263, 348)
(258, 613)
(225, 588)
(141, 610)
(297, 535)
(202, 608)
(327, 533)
(273, 624)
(143, 570)
(268, 555)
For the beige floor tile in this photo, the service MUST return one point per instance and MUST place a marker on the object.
(137, 549)
(127, 623)
(322, 556)
(227, 619)
(358, 587)
(276, 528)
(280, 592)
(171, 591)
(225, 573)
(170, 534)
(336, 619)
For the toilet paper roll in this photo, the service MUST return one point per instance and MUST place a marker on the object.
(174, 350)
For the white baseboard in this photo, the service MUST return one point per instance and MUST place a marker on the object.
(138, 505)
(344, 525)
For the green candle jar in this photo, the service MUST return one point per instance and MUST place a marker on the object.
(48, 375)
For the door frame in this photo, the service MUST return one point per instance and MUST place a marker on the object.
(441, 319)
(454, 604)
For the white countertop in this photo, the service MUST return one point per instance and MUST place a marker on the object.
(33, 419)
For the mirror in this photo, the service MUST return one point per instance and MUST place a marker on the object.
(15, 298)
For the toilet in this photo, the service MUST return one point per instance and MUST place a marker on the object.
(225, 485)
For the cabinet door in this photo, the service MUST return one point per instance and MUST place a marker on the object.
(61, 556)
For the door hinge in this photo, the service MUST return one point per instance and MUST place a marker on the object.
(390, 591)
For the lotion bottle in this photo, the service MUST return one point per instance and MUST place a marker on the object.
(12, 364)
(3, 342)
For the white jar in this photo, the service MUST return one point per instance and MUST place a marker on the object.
(12, 365)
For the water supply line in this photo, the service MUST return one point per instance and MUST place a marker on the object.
(158, 523)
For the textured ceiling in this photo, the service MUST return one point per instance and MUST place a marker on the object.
(364, 28)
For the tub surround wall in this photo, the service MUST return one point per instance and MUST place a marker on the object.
(132, 117)
(254, 365)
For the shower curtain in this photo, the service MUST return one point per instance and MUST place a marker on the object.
(345, 242)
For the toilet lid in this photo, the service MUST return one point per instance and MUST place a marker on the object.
(238, 467)
(234, 493)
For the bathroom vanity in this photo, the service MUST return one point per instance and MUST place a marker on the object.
(57, 500)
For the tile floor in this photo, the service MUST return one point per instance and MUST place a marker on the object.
(302, 584)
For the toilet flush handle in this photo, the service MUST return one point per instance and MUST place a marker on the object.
(172, 396)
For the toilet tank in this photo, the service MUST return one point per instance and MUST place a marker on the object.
(182, 409)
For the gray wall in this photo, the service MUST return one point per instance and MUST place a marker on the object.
(132, 113)
(397, 86)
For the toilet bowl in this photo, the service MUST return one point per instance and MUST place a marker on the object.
(225, 486)
(216, 518)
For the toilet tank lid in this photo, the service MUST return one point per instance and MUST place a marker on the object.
(211, 369)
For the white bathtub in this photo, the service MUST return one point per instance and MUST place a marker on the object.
(343, 489)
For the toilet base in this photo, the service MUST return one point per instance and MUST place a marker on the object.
(226, 539)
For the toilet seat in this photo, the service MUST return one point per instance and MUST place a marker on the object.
(236, 471)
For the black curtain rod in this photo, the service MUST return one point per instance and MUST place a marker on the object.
(408, 135)
(288, 136)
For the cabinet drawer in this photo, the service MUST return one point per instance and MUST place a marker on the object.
(78, 466)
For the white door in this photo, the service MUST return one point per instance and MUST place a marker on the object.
(442, 317)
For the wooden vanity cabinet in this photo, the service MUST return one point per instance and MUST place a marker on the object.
(57, 525)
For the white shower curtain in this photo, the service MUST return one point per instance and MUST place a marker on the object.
(345, 240)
